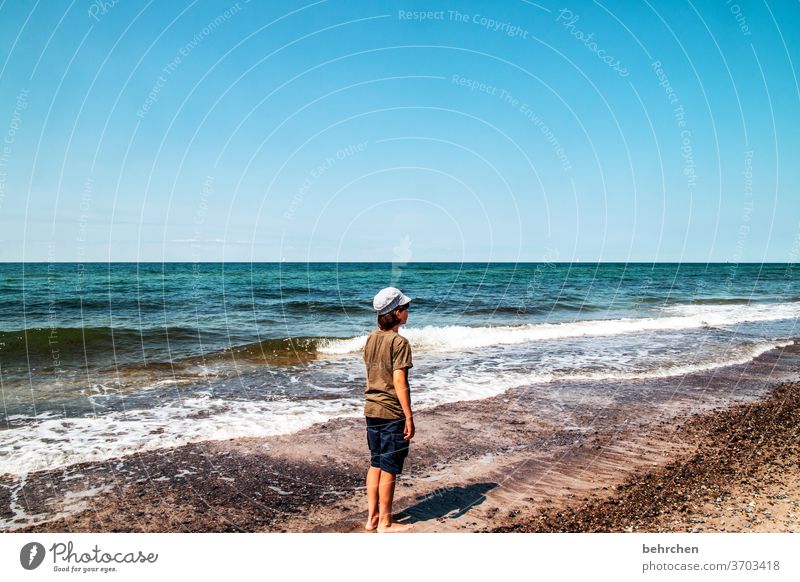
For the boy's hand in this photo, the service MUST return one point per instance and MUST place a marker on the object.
(408, 431)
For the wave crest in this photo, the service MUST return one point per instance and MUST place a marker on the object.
(458, 337)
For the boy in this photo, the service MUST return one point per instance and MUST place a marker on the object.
(390, 424)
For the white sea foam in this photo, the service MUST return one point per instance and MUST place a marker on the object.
(455, 337)
(447, 386)
(57, 442)
(732, 314)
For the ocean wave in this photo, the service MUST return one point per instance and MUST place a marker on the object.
(729, 314)
(721, 301)
(66, 341)
(539, 308)
(678, 301)
(323, 307)
(284, 351)
(50, 440)
(457, 337)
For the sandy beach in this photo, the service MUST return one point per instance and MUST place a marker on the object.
(714, 451)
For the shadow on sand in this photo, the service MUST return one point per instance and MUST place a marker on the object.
(450, 502)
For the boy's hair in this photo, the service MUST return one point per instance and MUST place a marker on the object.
(388, 320)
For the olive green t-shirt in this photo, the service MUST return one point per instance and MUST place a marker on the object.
(384, 352)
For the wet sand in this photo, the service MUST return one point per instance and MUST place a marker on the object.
(701, 452)
(743, 475)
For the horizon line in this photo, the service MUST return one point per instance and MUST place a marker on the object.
(399, 262)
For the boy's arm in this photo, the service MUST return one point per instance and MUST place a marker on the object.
(400, 377)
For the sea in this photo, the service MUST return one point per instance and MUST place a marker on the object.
(103, 360)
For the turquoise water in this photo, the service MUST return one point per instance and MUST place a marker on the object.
(105, 359)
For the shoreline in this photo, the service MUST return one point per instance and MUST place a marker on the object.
(497, 464)
(743, 476)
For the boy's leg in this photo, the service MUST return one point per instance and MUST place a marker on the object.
(387, 481)
(373, 480)
(386, 496)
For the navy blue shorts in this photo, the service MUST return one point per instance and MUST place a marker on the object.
(387, 446)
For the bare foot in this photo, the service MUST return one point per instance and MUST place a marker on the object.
(395, 527)
(372, 524)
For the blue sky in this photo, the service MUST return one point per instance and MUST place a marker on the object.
(399, 131)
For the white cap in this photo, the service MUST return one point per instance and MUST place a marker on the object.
(389, 299)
